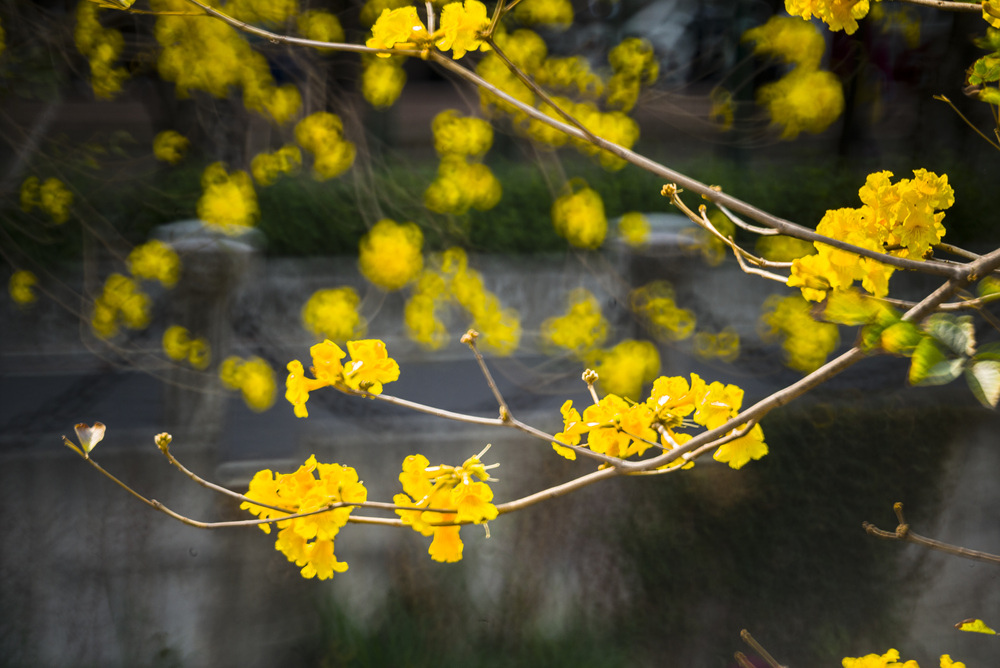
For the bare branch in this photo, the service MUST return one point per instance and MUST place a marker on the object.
(903, 533)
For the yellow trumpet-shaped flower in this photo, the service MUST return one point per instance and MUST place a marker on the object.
(370, 366)
(390, 254)
(396, 26)
(462, 25)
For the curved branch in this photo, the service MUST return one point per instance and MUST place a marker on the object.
(903, 533)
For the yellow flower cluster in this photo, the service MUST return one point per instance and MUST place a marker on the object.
(262, 11)
(656, 304)
(155, 261)
(253, 378)
(390, 254)
(625, 367)
(581, 329)
(51, 196)
(333, 314)
(267, 167)
(572, 74)
(579, 218)
(320, 26)
(463, 182)
(307, 541)
(779, 248)
(724, 345)
(229, 202)
(452, 280)
(170, 146)
(807, 99)
(634, 229)
(634, 64)
(372, 9)
(460, 27)
(322, 134)
(556, 14)
(22, 287)
(121, 303)
(991, 12)
(838, 14)
(382, 80)
(178, 345)
(102, 47)
(902, 219)
(891, 660)
(461, 492)
(620, 428)
(213, 57)
(369, 367)
(806, 342)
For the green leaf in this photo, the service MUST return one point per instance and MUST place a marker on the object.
(988, 351)
(990, 96)
(926, 356)
(901, 338)
(988, 286)
(985, 70)
(956, 334)
(983, 377)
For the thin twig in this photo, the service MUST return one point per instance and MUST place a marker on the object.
(469, 339)
(946, 5)
(903, 533)
(757, 647)
(972, 125)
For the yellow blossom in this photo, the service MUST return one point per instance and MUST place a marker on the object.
(327, 367)
(793, 41)
(382, 81)
(838, 14)
(390, 254)
(462, 25)
(21, 287)
(458, 135)
(322, 134)
(320, 26)
(581, 329)
(333, 314)
(806, 342)
(267, 167)
(803, 101)
(307, 541)
(170, 146)
(739, 451)
(396, 26)
(121, 303)
(655, 303)
(176, 342)
(228, 202)
(549, 13)
(369, 367)
(626, 367)
(579, 218)
(634, 229)
(155, 260)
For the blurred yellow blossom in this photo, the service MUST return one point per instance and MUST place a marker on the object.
(382, 81)
(253, 378)
(634, 228)
(320, 26)
(121, 303)
(22, 287)
(781, 248)
(421, 311)
(333, 314)
(322, 134)
(51, 196)
(806, 342)
(102, 47)
(548, 13)
(267, 167)
(723, 345)
(790, 39)
(461, 185)
(391, 254)
(461, 489)
(803, 101)
(461, 135)
(179, 345)
(838, 14)
(581, 328)
(169, 146)
(307, 541)
(228, 202)
(579, 218)
(656, 304)
(155, 260)
(626, 367)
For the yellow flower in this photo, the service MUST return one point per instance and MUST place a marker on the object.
(458, 135)
(229, 202)
(21, 287)
(307, 541)
(946, 662)
(806, 342)
(655, 303)
(626, 367)
(739, 451)
(200, 356)
(794, 41)
(396, 26)
(975, 626)
(462, 25)
(581, 329)
(170, 146)
(887, 660)
(447, 545)
(257, 383)
(51, 196)
(579, 218)
(120, 303)
(838, 14)
(267, 167)
(298, 386)
(390, 254)
(320, 26)
(155, 260)
(634, 228)
(803, 101)
(382, 82)
(549, 13)
(370, 366)
(333, 314)
(176, 342)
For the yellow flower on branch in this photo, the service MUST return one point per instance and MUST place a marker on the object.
(838, 14)
(307, 541)
(397, 26)
(370, 366)
(462, 25)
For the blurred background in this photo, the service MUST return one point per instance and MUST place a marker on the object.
(657, 571)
